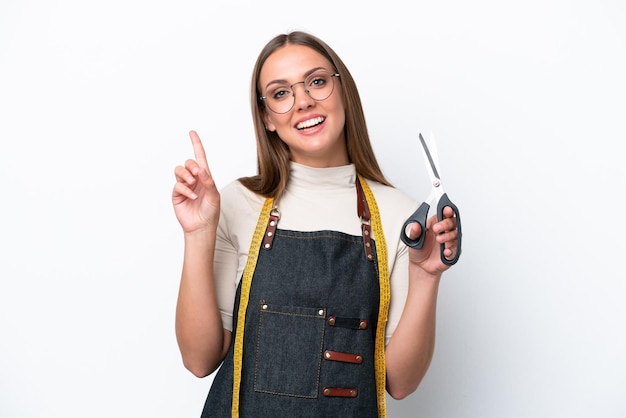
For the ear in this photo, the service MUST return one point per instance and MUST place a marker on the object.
(268, 122)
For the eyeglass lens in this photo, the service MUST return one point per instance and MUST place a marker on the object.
(280, 98)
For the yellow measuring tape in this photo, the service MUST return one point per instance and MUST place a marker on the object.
(383, 309)
(385, 296)
(246, 281)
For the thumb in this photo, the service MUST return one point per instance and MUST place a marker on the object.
(415, 230)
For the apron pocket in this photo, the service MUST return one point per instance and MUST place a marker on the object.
(289, 350)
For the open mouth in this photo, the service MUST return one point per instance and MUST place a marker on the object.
(309, 123)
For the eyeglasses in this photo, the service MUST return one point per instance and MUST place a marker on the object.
(280, 97)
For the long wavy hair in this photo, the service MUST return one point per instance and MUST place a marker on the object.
(273, 162)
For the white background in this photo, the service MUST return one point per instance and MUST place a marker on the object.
(527, 101)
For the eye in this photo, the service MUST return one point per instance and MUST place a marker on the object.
(279, 93)
(318, 81)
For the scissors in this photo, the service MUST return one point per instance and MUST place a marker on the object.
(437, 194)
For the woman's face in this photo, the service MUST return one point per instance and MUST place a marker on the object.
(313, 130)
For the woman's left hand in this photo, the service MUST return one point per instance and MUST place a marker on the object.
(445, 232)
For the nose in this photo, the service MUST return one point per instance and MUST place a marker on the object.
(302, 99)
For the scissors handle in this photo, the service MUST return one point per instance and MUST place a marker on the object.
(420, 215)
(443, 202)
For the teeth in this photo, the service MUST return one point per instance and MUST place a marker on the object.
(309, 123)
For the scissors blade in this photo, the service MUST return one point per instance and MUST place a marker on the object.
(429, 157)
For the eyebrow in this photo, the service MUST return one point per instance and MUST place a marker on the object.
(306, 74)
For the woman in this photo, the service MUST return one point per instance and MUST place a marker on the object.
(295, 280)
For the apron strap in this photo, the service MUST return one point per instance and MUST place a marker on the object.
(363, 211)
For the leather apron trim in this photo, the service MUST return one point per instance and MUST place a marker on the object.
(343, 357)
(341, 392)
(366, 224)
(383, 310)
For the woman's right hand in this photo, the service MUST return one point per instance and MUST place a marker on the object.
(195, 197)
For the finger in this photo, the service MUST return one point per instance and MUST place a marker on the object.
(448, 253)
(443, 226)
(181, 192)
(448, 212)
(198, 150)
(449, 237)
(184, 174)
(451, 249)
(447, 223)
(194, 167)
(193, 173)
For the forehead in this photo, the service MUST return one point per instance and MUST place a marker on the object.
(291, 63)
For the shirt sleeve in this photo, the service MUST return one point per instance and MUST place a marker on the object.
(225, 267)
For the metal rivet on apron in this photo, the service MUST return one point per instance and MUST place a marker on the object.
(353, 393)
(327, 355)
(272, 223)
(359, 359)
(366, 232)
(331, 321)
(264, 307)
(269, 234)
(267, 245)
(363, 324)
(370, 257)
(326, 392)
(320, 312)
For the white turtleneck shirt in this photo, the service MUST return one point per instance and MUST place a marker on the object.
(316, 199)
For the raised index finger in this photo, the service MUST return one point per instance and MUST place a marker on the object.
(198, 150)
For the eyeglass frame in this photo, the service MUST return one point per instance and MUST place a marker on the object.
(293, 93)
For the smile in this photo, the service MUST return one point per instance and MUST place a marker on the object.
(309, 123)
